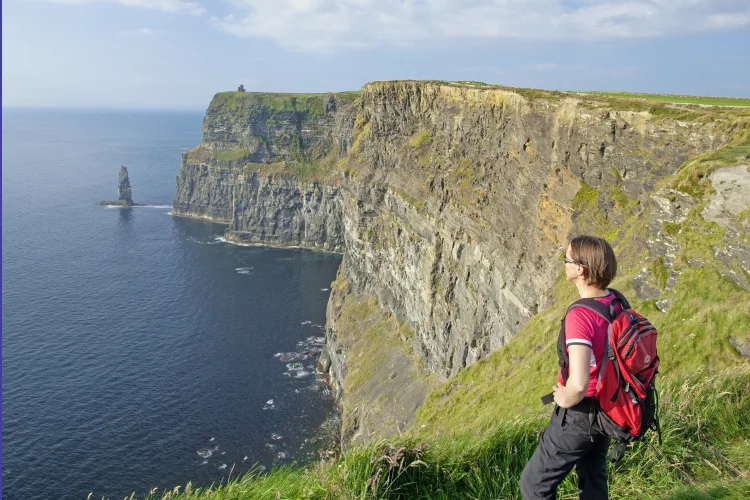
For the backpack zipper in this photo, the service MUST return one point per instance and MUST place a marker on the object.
(640, 334)
(629, 331)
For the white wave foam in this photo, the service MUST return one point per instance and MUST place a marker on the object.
(306, 323)
(244, 270)
(276, 437)
(207, 452)
(324, 289)
(222, 466)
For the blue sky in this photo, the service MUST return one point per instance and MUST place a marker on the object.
(178, 53)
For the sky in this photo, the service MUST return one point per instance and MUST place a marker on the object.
(176, 54)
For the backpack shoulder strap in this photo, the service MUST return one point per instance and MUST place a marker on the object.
(608, 312)
(619, 299)
(605, 311)
(592, 305)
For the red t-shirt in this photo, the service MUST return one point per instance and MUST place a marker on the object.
(585, 327)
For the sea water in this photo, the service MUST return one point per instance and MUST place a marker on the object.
(139, 350)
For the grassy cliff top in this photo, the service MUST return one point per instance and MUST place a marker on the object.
(677, 107)
(278, 101)
(682, 107)
(675, 99)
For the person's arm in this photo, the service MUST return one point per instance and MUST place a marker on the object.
(574, 390)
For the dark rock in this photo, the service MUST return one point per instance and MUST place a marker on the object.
(123, 188)
(124, 192)
(743, 347)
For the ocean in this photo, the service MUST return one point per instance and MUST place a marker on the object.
(139, 350)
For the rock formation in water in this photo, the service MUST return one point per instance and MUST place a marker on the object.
(124, 193)
(450, 202)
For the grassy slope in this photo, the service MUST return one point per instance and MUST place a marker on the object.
(694, 333)
(706, 451)
(476, 431)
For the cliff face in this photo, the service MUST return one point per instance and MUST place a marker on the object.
(264, 167)
(451, 204)
(459, 201)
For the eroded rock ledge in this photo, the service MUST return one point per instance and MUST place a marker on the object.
(450, 203)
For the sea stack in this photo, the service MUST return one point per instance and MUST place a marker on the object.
(124, 193)
(123, 188)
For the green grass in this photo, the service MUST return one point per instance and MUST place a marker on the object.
(314, 104)
(677, 99)
(422, 139)
(670, 228)
(321, 170)
(743, 217)
(230, 154)
(736, 490)
(692, 176)
(659, 272)
(705, 425)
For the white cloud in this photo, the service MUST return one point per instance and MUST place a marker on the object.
(177, 6)
(332, 25)
(138, 33)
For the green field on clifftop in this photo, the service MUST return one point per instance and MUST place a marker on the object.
(676, 99)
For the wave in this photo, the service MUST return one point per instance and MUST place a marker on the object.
(207, 452)
(244, 270)
(196, 240)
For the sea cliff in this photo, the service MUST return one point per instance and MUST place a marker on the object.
(451, 203)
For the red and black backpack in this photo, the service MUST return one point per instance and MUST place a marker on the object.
(626, 397)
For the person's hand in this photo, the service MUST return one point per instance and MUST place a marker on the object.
(558, 391)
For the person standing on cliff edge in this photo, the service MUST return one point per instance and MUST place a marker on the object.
(570, 439)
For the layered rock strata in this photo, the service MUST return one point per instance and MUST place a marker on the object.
(264, 168)
(451, 204)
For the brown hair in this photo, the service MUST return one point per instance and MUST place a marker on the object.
(597, 259)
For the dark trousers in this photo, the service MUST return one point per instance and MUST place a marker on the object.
(568, 441)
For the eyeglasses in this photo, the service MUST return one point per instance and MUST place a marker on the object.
(568, 261)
